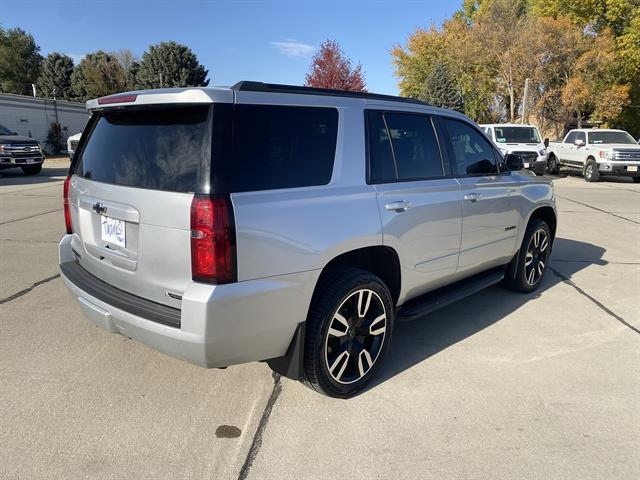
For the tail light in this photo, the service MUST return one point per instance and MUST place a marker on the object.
(213, 240)
(67, 212)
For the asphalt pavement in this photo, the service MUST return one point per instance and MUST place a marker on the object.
(498, 386)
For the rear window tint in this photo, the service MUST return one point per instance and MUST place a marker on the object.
(282, 147)
(162, 149)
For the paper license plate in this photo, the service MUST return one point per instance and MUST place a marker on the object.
(632, 168)
(526, 165)
(113, 231)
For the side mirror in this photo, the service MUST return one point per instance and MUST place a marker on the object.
(15, 133)
(513, 162)
(546, 143)
(579, 142)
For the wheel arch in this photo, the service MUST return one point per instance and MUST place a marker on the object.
(548, 215)
(381, 260)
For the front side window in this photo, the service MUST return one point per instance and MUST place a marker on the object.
(402, 147)
(571, 138)
(471, 152)
(282, 147)
(581, 136)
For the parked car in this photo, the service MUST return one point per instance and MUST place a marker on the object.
(291, 225)
(20, 151)
(523, 140)
(72, 144)
(597, 152)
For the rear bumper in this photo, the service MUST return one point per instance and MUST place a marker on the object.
(219, 325)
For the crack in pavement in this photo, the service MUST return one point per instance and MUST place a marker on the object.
(598, 209)
(264, 420)
(27, 241)
(31, 216)
(601, 305)
(27, 290)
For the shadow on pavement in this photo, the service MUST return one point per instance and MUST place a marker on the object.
(415, 341)
(15, 176)
(577, 174)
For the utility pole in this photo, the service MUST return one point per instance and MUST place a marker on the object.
(524, 100)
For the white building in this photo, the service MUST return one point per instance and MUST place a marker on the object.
(32, 116)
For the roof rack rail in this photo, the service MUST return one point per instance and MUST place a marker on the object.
(249, 86)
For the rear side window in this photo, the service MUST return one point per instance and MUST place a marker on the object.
(402, 147)
(282, 147)
(471, 151)
(161, 149)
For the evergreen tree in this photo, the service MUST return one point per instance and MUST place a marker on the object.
(55, 76)
(20, 61)
(170, 64)
(97, 75)
(440, 90)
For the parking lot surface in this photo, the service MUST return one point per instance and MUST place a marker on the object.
(499, 386)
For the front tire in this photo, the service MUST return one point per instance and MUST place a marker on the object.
(348, 332)
(527, 269)
(32, 169)
(552, 165)
(591, 173)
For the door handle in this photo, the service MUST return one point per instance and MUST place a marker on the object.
(472, 197)
(511, 190)
(401, 206)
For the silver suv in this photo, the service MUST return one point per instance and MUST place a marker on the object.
(291, 225)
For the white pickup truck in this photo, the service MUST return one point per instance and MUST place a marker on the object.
(523, 140)
(596, 152)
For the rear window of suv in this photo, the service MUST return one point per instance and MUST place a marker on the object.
(161, 149)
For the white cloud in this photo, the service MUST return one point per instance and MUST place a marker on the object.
(293, 49)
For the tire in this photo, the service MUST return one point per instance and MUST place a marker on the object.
(527, 269)
(349, 327)
(32, 169)
(591, 173)
(636, 179)
(552, 165)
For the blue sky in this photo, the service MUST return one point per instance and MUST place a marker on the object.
(270, 41)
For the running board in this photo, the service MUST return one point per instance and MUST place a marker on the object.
(432, 301)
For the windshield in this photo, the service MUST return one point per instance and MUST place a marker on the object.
(517, 135)
(596, 138)
(5, 131)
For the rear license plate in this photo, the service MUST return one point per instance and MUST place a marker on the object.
(632, 168)
(113, 231)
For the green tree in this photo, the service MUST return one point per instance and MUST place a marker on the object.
(97, 75)
(440, 90)
(20, 61)
(55, 76)
(170, 64)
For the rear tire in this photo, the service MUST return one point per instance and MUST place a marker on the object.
(527, 269)
(591, 173)
(348, 332)
(32, 169)
(552, 165)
